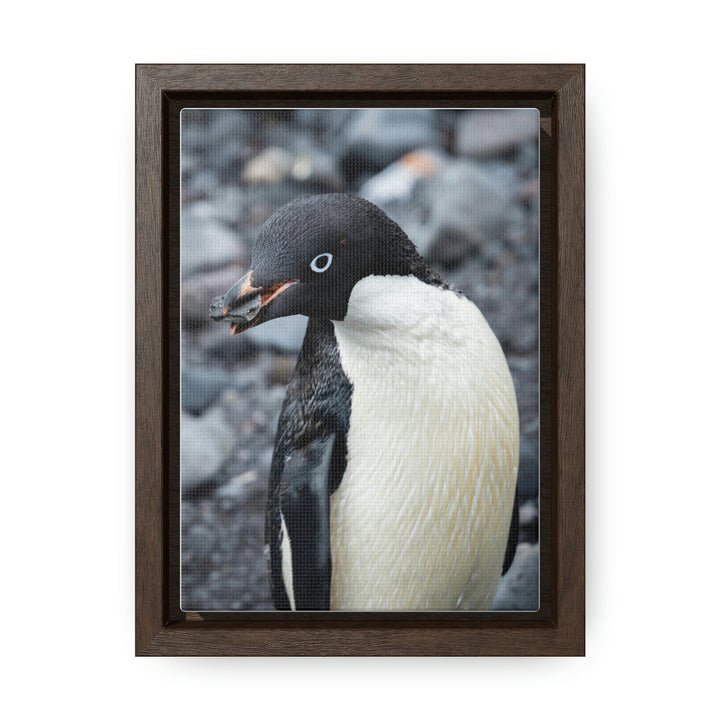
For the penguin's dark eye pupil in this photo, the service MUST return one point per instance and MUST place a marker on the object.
(321, 263)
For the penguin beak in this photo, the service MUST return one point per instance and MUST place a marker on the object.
(243, 304)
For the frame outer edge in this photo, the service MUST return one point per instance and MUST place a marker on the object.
(571, 362)
(185, 638)
(337, 77)
(148, 358)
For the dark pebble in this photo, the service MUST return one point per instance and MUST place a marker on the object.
(527, 482)
(450, 247)
(231, 349)
(282, 370)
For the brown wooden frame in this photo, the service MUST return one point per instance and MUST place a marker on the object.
(559, 627)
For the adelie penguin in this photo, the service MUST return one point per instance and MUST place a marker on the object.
(393, 478)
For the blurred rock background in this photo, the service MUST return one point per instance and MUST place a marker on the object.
(462, 183)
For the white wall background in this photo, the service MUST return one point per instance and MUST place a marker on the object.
(66, 549)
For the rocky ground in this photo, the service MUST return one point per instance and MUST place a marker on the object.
(463, 184)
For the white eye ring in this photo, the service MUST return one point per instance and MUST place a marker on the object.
(326, 258)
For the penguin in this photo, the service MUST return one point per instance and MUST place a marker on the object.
(392, 484)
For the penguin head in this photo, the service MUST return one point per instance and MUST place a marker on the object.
(308, 257)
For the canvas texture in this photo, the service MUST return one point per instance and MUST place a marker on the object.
(404, 460)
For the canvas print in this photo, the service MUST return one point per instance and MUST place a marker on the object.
(359, 359)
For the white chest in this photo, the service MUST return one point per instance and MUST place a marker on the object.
(420, 520)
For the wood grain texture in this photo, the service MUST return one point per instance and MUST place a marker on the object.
(418, 78)
(570, 509)
(558, 628)
(148, 363)
(187, 639)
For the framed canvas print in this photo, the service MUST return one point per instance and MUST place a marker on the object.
(351, 419)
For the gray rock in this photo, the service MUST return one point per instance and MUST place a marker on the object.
(282, 370)
(484, 133)
(528, 514)
(304, 163)
(270, 167)
(217, 140)
(219, 344)
(226, 205)
(201, 386)
(397, 182)
(526, 163)
(527, 482)
(264, 463)
(465, 198)
(450, 247)
(529, 522)
(198, 544)
(284, 334)
(205, 444)
(199, 290)
(326, 125)
(377, 136)
(518, 589)
(206, 243)
(273, 399)
(237, 490)
(317, 170)
(198, 182)
(437, 199)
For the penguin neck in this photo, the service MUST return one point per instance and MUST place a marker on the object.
(398, 314)
(402, 333)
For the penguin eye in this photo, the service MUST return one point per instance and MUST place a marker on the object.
(321, 263)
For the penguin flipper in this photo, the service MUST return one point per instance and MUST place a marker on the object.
(307, 467)
(305, 566)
